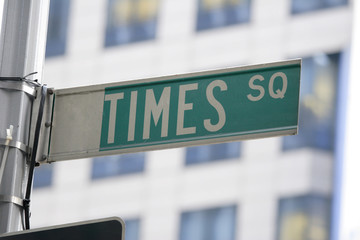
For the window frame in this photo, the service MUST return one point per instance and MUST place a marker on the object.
(115, 164)
(323, 5)
(133, 30)
(207, 215)
(233, 153)
(224, 15)
(56, 46)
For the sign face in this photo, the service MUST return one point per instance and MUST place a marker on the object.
(182, 110)
(109, 229)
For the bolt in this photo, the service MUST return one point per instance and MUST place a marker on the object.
(50, 91)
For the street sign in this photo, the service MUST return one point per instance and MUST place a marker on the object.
(109, 229)
(182, 110)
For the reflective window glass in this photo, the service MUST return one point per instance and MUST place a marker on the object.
(132, 231)
(43, 176)
(57, 28)
(303, 217)
(210, 153)
(318, 97)
(209, 224)
(130, 21)
(220, 13)
(301, 6)
(110, 166)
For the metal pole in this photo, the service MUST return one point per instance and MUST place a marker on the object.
(22, 51)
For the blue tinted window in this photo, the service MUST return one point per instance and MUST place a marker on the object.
(318, 97)
(303, 217)
(132, 229)
(57, 28)
(300, 6)
(209, 224)
(214, 13)
(117, 165)
(215, 152)
(43, 176)
(130, 21)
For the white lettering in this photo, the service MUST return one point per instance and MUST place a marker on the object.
(215, 103)
(151, 108)
(132, 116)
(256, 87)
(182, 107)
(113, 98)
(279, 93)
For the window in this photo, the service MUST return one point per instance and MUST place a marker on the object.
(303, 217)
(130, 21)
(132, 229)
(117, 165)
(319, 80)
(210, 153)
(43, 176)
(209, 224)
(219, 13)
(57, 28)
(301, 6)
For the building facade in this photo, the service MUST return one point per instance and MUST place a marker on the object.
(277, 188)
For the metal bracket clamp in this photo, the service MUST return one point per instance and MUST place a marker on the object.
(20, 87)
(16, 144)
(20, 84)
(12, 199)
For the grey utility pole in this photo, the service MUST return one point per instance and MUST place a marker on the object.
(22, 51)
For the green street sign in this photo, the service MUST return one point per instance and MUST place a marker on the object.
(109, 229)
(182, 110)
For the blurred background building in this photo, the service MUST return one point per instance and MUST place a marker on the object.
(277, 188)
